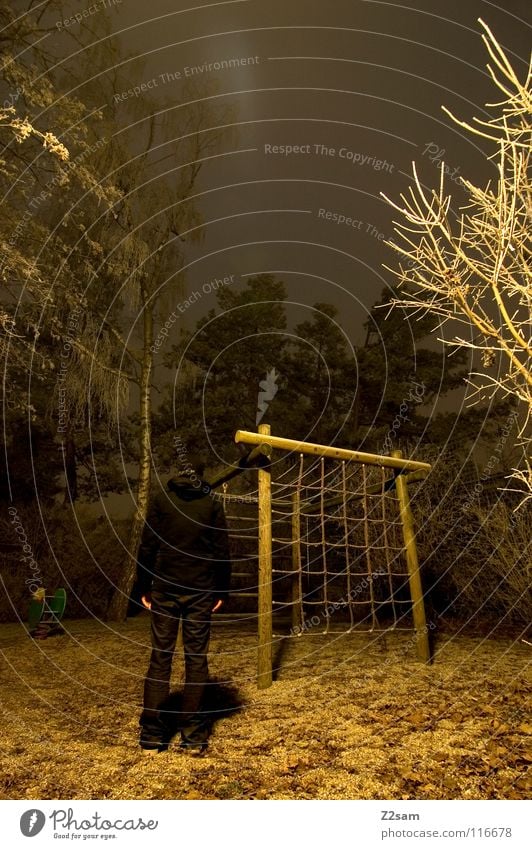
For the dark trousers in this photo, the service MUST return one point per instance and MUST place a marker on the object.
(194, 612)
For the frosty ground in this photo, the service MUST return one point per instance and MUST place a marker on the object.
(349, 716)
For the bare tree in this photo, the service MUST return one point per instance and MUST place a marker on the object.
(473, 271)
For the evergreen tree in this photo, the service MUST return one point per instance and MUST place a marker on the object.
(399, 378)
(221, 366)
(321, 374)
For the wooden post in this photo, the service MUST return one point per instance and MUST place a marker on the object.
(264, 661)
(297, 596)
(414, 577)
(250, 438)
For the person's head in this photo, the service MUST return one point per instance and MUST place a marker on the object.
(190, 464)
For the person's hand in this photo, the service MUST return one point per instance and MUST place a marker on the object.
(218, 605)
(146, 600)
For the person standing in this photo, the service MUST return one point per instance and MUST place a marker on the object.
(183, 575)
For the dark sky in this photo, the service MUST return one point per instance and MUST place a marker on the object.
(362, 79)
(358, 85)
(355, 87)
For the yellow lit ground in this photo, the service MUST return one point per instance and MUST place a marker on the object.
(349, 717)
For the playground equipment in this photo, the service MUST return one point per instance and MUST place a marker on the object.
(45, 613)
(332, 535)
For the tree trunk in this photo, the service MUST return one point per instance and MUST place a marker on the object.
(71, 472)
(119, 603)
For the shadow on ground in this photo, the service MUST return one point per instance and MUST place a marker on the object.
(220, 701)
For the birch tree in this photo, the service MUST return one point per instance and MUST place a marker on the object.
(159, 211)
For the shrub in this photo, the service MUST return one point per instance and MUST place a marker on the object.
(475, 549)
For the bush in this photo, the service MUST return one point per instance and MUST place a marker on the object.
(474, 547)
(495, 577)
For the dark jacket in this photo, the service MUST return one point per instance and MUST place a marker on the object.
(185, 545)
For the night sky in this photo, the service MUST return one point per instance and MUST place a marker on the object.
(358, 86)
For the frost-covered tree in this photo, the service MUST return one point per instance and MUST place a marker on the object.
(473, 273)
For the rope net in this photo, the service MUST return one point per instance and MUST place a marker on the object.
(337, 547)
